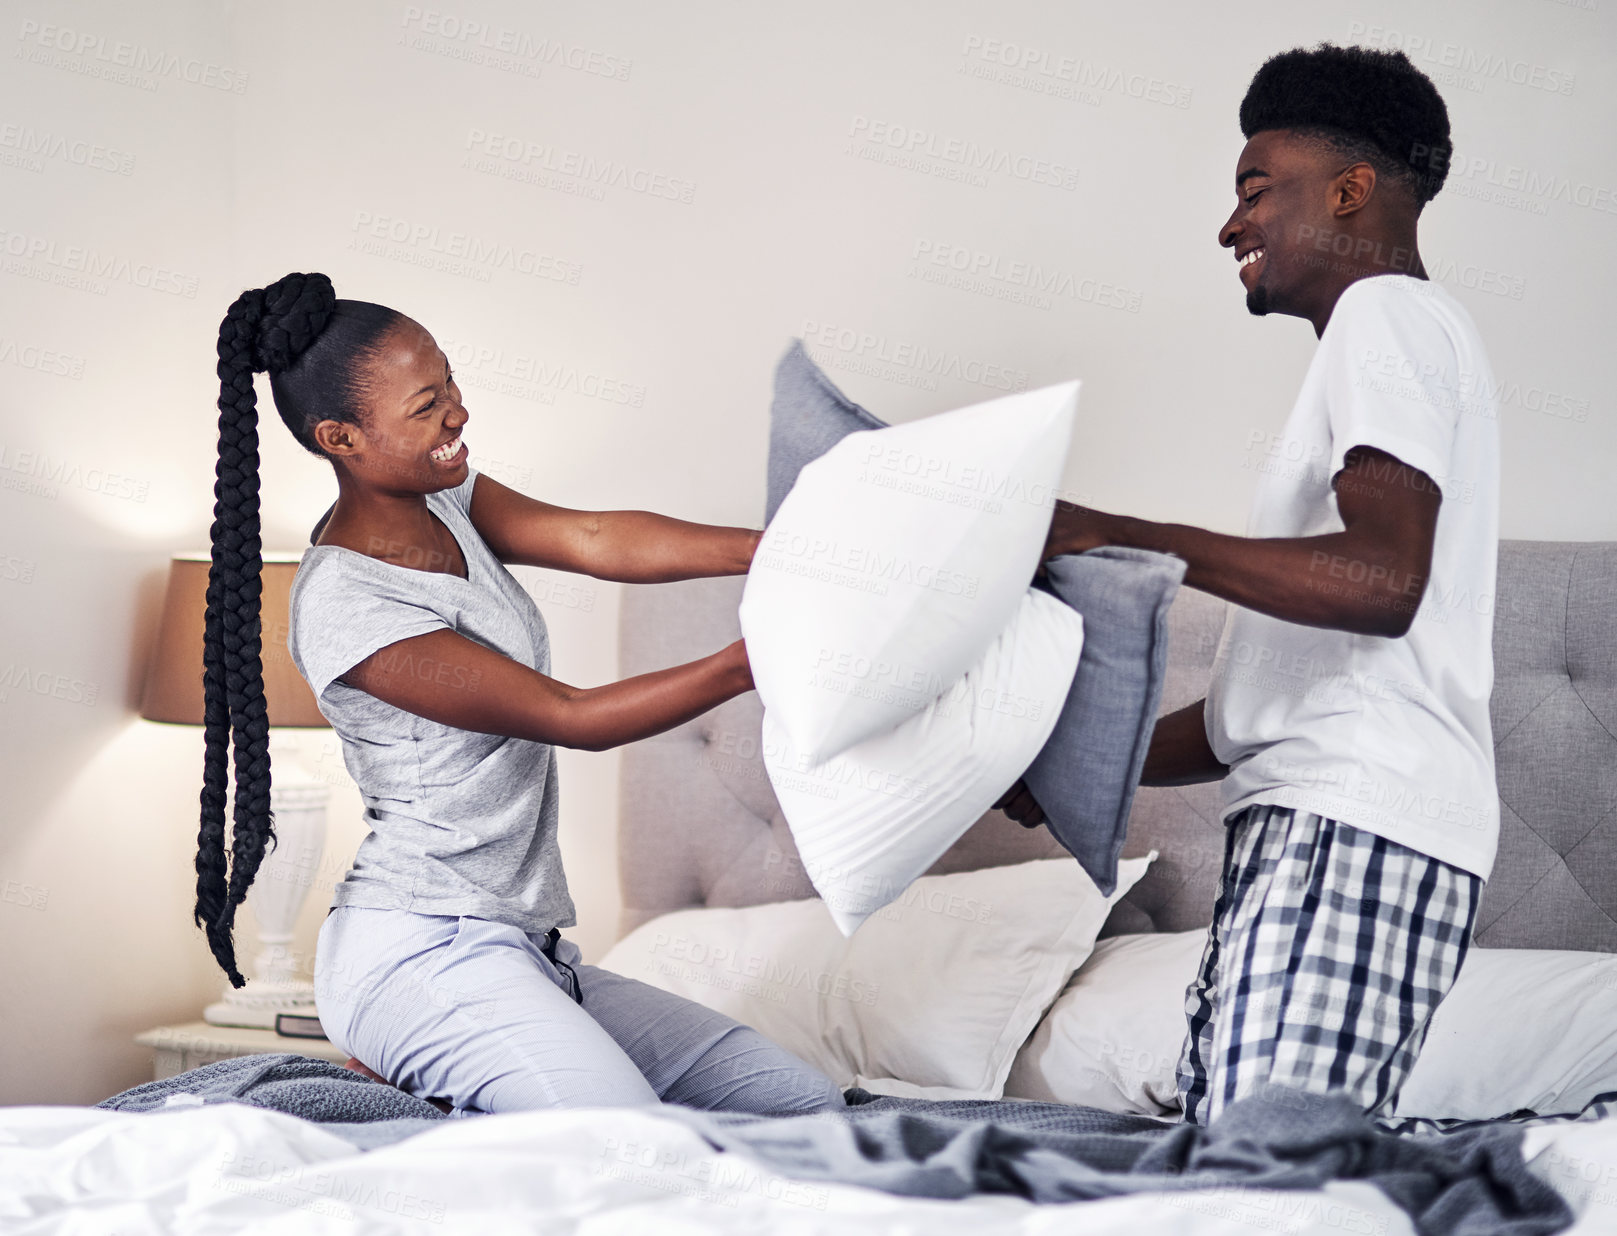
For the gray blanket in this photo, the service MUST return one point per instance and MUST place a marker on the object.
(361, 1111)
(1470, 1181)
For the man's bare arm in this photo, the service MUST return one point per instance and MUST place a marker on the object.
(1368, 578)
(1180, 753)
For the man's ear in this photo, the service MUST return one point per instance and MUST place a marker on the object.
(1352, 188)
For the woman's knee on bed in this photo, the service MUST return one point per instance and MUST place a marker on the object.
(697, 1057)
(468, 1011)
(746, 1072)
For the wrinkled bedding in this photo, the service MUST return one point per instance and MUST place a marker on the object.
(1468, 1181)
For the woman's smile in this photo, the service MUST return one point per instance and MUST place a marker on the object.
(450, 453)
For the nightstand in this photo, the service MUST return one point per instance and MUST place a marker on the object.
(178, 1048)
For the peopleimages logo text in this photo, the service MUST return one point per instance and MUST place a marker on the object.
(135, 57)
(967, 154)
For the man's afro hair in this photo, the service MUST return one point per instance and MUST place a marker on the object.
(1370, 104)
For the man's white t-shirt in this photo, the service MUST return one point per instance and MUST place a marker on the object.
(1391, 735)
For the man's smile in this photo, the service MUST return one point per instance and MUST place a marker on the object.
(1250, 261)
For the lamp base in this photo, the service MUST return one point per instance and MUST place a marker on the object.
(256, 1004)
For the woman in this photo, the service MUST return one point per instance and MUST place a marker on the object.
(440, 966)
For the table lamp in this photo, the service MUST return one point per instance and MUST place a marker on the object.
(173, 694)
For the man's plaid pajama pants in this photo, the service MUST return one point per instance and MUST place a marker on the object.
(1329, 951)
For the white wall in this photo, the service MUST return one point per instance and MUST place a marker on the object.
(654, 366)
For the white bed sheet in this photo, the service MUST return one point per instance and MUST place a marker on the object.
(1580, 1159)
(68, 1171)
(233, 1168)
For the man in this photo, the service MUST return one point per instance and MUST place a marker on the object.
(1348, 710)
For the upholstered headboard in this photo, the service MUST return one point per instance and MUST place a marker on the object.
(699, 824)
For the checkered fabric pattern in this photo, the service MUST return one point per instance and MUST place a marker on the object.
(1330, 949)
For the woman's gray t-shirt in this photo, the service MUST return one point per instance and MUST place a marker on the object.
(461, 823)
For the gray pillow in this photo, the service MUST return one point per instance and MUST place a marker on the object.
(809, 417)
(1086, 774)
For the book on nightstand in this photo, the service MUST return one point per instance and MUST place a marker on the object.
(297, 1026)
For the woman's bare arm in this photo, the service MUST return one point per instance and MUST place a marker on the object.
(447, 678)
(634, 547)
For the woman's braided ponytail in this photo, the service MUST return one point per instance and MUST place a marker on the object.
(265, 329)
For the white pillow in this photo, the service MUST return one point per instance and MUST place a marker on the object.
(1522, 1029)
(896, 559)
(931, 999)
(874, 817)
(1112, 1039)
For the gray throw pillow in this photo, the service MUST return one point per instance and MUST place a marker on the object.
(809, 417)
(1085, 776)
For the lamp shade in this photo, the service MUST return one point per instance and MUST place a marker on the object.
(173, 690)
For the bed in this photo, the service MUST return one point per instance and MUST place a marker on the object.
(699, 829)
